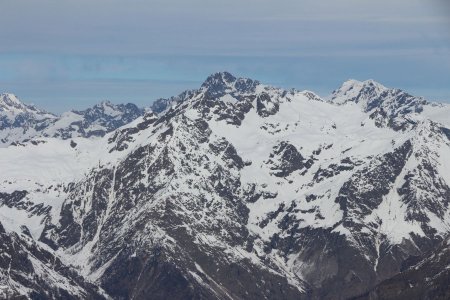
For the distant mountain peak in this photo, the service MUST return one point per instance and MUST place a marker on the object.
(97, 120)
(387, 106)
(218, 84)
(219, 78)
(19, 121)
(108, 108)
(10, 99)
(10, 102)
(16, 114)
(355, 91)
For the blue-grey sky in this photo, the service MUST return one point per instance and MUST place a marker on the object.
(71, 54)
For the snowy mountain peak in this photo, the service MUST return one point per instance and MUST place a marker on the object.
(94, 121)
(17, 117)
(10, 100)
(311, 95)
(108, 108)
(218, 84)
(215, 86)
(388, 107)
(20, 122)
(224, 78)
(11, 103)
(357, 91)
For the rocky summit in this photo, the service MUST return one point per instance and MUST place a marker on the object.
(234, 190)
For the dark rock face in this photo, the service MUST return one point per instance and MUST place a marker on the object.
(228, 152)
(71, 231)
(429, 279)
(336, 268)
(346, 164)
(286, 159)
(17, 199)
(215, 86)
(212, 108)
(26, 266)
(446, 131)
(355, 200)
(222, 83)
(13, 198)
(160, 105)
(265, 106)
(339, 267)
(150, 277)
(193, 274)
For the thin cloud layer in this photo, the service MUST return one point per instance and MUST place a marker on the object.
(304, 44)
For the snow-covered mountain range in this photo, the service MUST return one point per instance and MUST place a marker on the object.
(21, 122)
(236, 190)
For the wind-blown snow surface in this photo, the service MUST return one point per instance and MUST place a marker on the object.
(241, 190)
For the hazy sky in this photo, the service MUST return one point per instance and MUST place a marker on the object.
(62, 54)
